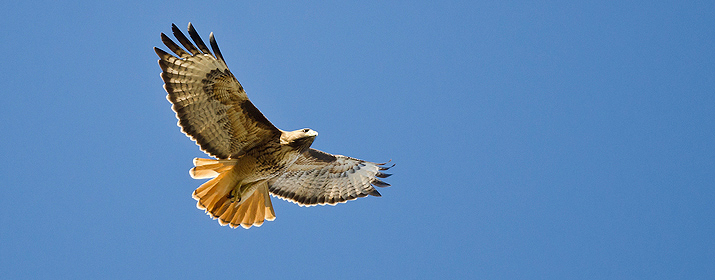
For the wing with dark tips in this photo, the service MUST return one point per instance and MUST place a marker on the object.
(319, 178)
(211, 105)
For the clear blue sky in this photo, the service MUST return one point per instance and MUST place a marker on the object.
(533, 140)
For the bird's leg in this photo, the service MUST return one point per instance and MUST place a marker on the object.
(235, 195)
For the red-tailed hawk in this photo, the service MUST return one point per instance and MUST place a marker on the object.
(253, 157)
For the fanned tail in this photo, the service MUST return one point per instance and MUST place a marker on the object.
(215, 198)
(209, 168)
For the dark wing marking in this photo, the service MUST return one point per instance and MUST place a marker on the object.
(319, 178)
(214, 46)
(197, 39)
(211, 105)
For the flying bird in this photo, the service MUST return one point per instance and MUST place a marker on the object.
(253, 158)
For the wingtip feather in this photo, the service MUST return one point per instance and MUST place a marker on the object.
(379, 183)
(374, 192)
(382, 175)
(214, 46)
(197, 39)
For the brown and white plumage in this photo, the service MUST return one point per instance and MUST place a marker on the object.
(254, 158)
(211, 105)
(319, 178)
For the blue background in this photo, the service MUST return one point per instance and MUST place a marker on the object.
(533, 140)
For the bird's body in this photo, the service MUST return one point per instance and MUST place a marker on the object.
(238, 179)
(254, 158)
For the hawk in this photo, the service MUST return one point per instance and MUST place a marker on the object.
(253, 158)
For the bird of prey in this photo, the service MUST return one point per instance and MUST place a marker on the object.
(252, 157)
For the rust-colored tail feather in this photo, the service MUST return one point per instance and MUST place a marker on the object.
(214, 196)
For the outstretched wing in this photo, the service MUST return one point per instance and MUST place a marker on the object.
(321, 178)
(211, 105)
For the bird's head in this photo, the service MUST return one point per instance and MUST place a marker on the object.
(300, 139)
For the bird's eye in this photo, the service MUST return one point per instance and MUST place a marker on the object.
(305, 130)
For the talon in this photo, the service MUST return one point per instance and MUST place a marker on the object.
(234, 196)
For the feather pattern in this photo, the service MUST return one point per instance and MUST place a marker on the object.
(213, 196)
(319, 178)
(211, 105)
